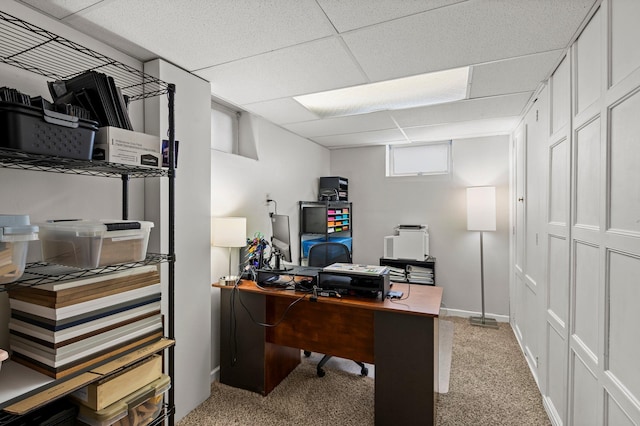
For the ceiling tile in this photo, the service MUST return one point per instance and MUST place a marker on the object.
(512, 75)
(466, 33)
(454, 112)
(311, 67)
(467, 129)
(342, 125)
(364, 138)
(348, 15)
(60, 8)
(203, 33)
(281, 111)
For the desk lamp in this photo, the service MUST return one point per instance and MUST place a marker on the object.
(481, 216)
(229, 232)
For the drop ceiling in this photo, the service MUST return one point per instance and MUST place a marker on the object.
(259, 54)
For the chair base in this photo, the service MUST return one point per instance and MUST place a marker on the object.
(364, 371)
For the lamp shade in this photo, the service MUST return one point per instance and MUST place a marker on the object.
(481, 208)
(229, 231)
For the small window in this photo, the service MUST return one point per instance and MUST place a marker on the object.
(224, 129)
(419, 159)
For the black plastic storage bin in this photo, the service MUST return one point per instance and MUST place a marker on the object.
(40, 131)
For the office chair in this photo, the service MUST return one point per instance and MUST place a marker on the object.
(321, 255)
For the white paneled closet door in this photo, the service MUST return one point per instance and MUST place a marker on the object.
(589, 371)
(604, 375)
(619, 230)
(517, 305)
(530, 146)
(586, 307)
(556, 310)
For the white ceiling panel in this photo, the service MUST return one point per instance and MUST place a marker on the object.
(341, 125)
(349, 15)
(258, 54)
(466, 33)
(363, 138)
(512, 75)
(474, 109)
(281, 111)
(209, 32)
(467, 129)
(60, 8)
(312, 67)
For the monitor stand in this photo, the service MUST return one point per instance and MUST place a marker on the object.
(279, 266)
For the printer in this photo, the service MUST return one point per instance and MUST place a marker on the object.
(409, 242)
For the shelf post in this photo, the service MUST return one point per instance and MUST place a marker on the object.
(172, 251)
(125, 196)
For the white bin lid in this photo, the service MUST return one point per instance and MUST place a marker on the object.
(17, 228)
(92, 228)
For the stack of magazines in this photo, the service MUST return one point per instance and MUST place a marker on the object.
(97, 93)
(419, 274)
(397, 274)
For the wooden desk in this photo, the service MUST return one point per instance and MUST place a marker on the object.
(399, 337)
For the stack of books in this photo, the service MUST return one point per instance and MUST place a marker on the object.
(419, 274)
(64, 327)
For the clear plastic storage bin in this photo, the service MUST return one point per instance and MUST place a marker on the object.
(15, 234)
(3, 356)
(90, 244)
(137, 409)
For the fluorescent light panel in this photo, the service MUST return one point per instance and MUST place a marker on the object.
(408, 92)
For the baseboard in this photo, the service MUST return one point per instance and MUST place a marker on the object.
(215, 374)
(554, 418)
(444, 312)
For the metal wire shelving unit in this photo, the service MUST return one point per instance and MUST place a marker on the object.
(34, 49)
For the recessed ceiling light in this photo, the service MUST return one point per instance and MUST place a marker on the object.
(408, 92)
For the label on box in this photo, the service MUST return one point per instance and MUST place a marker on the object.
(126, 147)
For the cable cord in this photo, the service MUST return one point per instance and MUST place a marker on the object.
(284, 314)
(405, 297)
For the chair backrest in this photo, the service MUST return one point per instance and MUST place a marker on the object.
(324, 254)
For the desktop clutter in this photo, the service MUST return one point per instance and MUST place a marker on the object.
(263, 262)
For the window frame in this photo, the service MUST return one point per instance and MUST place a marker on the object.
(235, 128)
(391, 159)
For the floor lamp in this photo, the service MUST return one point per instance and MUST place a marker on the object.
(481, 216)
(229, 232)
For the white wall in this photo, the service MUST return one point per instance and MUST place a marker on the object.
(192, 227)
(287, 168)
(380, 203)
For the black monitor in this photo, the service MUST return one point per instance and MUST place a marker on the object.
(280, 240)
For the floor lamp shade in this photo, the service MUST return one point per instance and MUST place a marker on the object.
(481, 208)
(229, 232)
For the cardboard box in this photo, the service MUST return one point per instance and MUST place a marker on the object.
(122, 146)
(113, 388)
(141, 407)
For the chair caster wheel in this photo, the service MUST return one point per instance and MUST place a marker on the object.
(307, 354)
(320, 372)
(364, 372)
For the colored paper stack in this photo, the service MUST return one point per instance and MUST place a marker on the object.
(61, 328)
